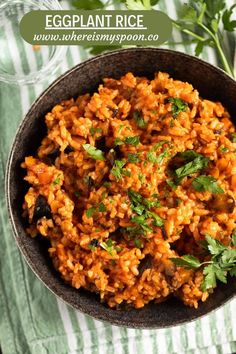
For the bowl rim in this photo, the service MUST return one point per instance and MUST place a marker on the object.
(101, 316)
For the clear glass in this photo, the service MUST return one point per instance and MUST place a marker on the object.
(21, 62)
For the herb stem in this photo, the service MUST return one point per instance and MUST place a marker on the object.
(224, 61)
(223, 58)
(191, 33)
(147, 4)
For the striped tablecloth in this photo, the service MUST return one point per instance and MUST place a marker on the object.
(34, 321)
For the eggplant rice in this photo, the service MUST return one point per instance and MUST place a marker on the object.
(130, 184)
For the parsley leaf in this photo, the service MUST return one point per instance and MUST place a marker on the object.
(233, 137)
(138, 4)
(229, 25)
(132, 140)
(223, 261)
(94, 153)
(118, 171)
(56, 181)
(152, 157)
(138, 243)
(223, 149)
(94, 130)
(159, 144)
(108, 246)
(206, 183)
(192, 167)
(186, 261)
(90, 212)
(102, 208)
(234, 238)
(133, 158)
(180, 169)
(141, 207)
(178, 106)
(138, 117)
(118, 141)
(214, 246)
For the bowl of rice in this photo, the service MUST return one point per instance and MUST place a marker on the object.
(121, 187)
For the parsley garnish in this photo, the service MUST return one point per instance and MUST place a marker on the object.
(187, 261)
(223, 149)
(138, 243)
(94, 153)
(118, 171)
(171, 184)
(108, 246)
(206, 183)
(142, 178)
(187, 163)
(118, 141)
(233, 137)
(56, 180)
(133, 158)
(94, 130)
(90, 211)
(138, 117)
(178, 106)
(141, 206)
(192, 167)
(151, 155)
(223, 261)
(96, 208)
(102, 208)
(132, 140)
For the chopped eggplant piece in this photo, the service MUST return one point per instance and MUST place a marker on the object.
(68, 149)
(164, 233)
(222, 202)
(54, 154)
(41, 209)
(101, 144)
(90, 184)
(146, 263)
(94, 242)
(218, 131)
(114, 110)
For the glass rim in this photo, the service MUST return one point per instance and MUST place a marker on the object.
(52, 64)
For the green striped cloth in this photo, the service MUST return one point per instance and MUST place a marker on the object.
(34, 321)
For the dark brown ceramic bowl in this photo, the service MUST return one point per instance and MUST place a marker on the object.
(211, 82)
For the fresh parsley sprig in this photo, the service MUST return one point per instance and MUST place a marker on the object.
(203, 20)
(223, 262)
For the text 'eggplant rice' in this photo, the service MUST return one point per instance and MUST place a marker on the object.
(134, 186)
